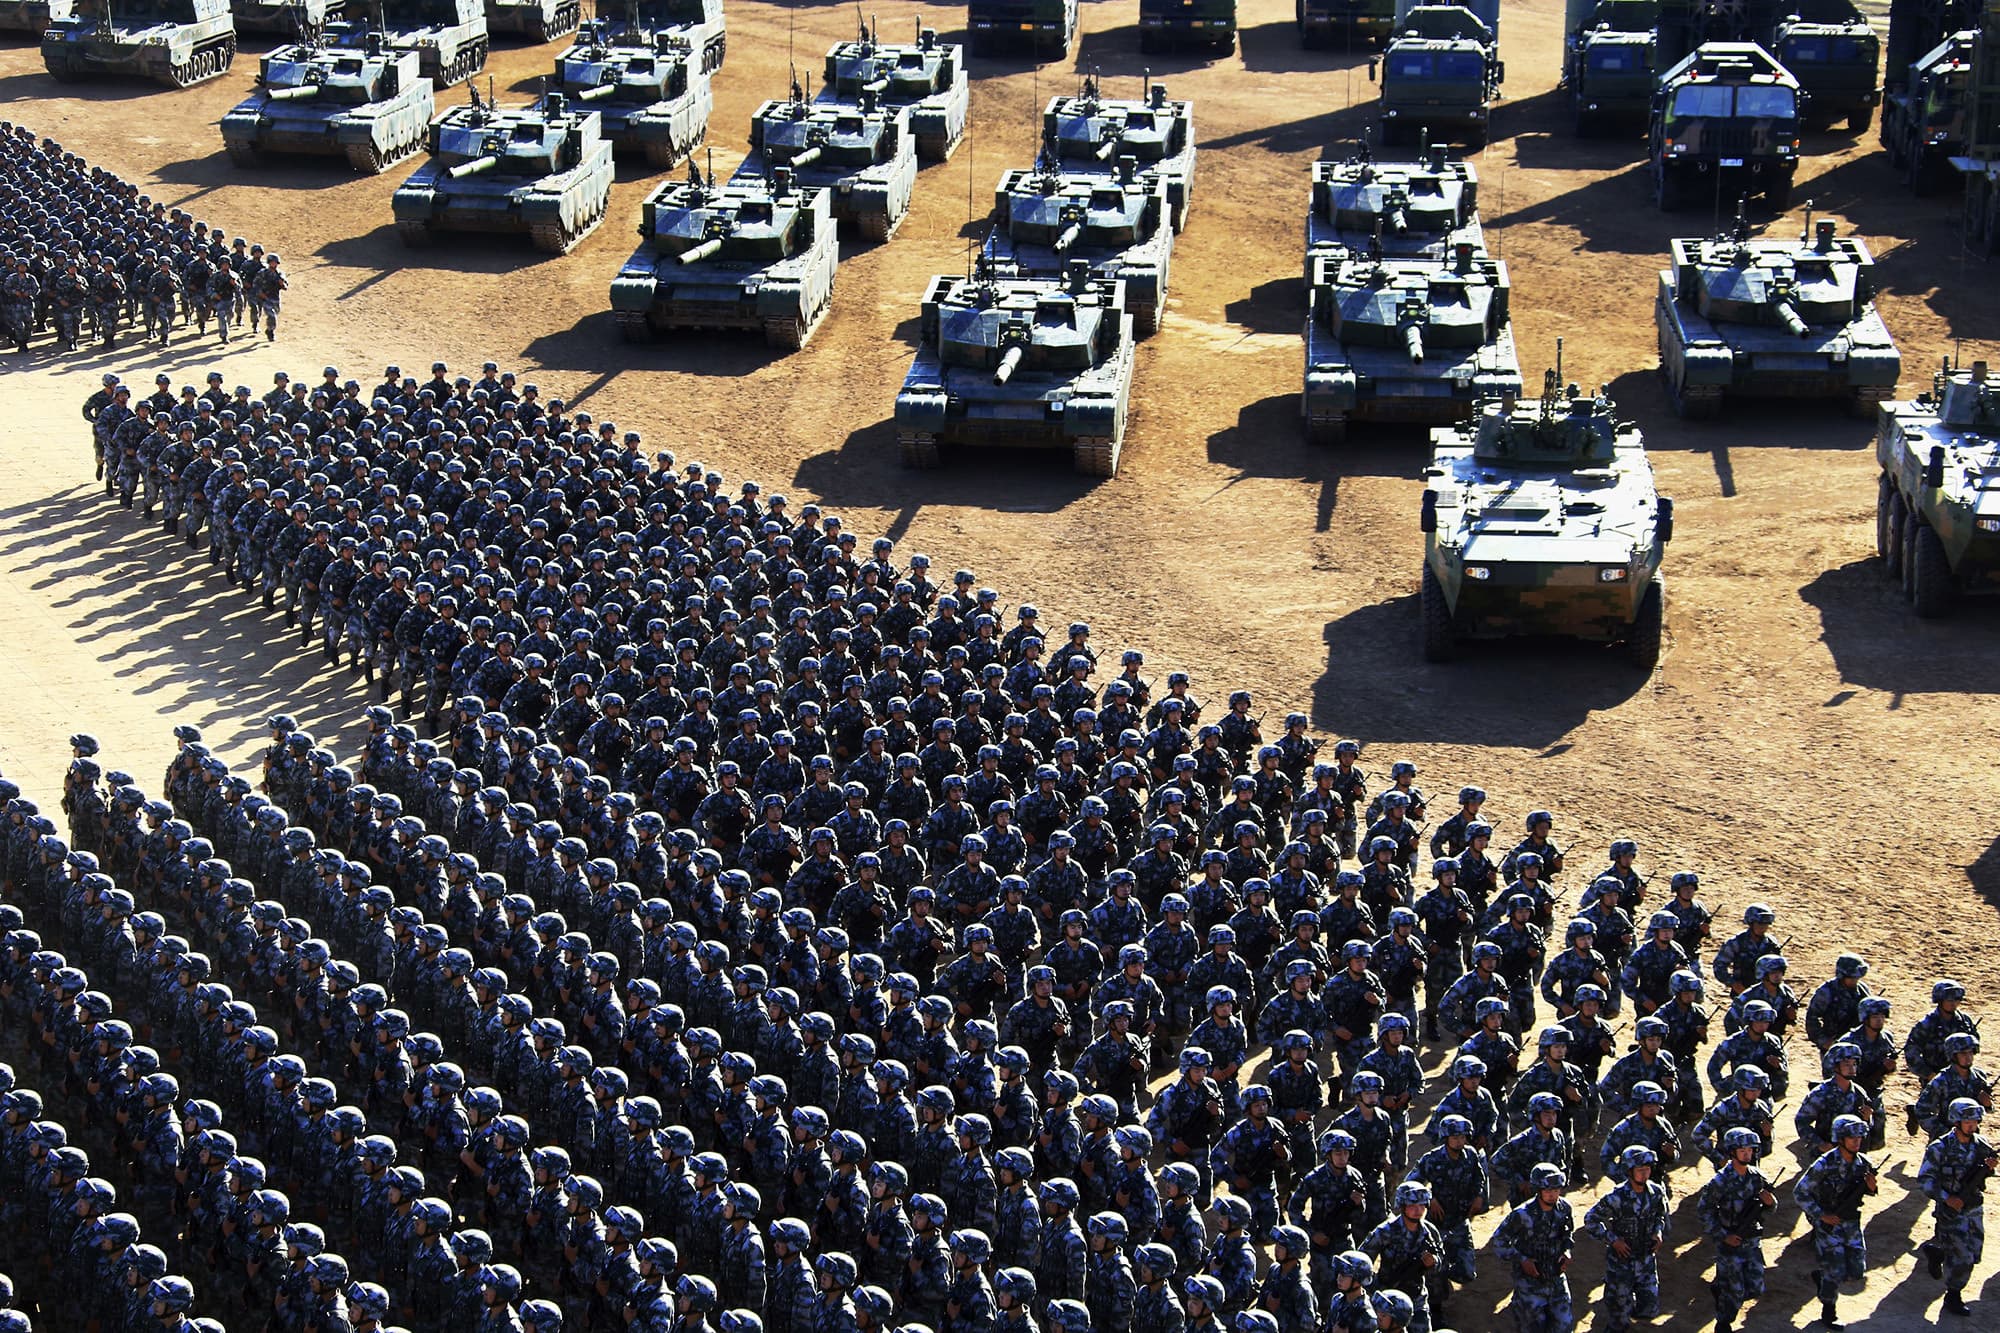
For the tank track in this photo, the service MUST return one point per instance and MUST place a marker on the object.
(667, 153)
(568, 16)
(1096, 455)
(369, 160)
(467, 61)
(633, 326)
(1330, 428)
(208, 61)
(244, 153)
(416, 235)
(876, 227)
(918, 447)
(555, 238)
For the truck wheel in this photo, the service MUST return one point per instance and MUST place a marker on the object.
(1440, 638)
(1888, 524)
(1859, 121)
(1930, 574)
(1642, 644)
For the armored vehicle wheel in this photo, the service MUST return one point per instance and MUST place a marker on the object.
(918, 447)
(1096, 455)
(1440, 637)
(1778, 194)
(786, 335)
(1694, 402)
(1889, 525)
(875, 227)
(1642, 644)
(1475, 138)
(1917, 174)
(243, 153)
(60, 70)
(1859, 121)
(1329, 428)
(416, 235)
(1931, 583)
(937, 147)
(1906, 572)
(633, 326)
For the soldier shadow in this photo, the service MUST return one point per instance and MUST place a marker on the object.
(1273, 48)
(1878, 643)
(594, 344)
(1268, 440)
(1788, 424)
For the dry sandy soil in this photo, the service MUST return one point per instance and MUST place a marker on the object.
(1805, 741)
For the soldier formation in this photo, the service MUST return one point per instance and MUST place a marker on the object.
(84, 255)
(740, 932)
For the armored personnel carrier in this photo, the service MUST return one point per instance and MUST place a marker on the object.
(449, 36)
(175, 42)
(1091, 132)
(1043, 28)
(1773, 318)
(647, 87)
(1178, 25)
(928, 78)
(1045, 218)
(1724, 125)
(31, 16)
(543, 169)
(1834, 54)
(1411, 210)
(1608, 61)
(297, 19)
(365, 103)
(1033, 362)
(758, 253)
(1414, 340)
(1441, 71)
(1937, 504)
(537, 20)
(1541, 518)
(864, 154)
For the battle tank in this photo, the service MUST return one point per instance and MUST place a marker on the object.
(175, 42)
(1412, 340)
(1541, 518)
(543, 169)
(864, 155)
(928, 78)
(1773, 318)
(1046, 218)
(366, 103)
(1031, 362)
(31, 16)
(758, 253)
(647, 87)
(1937, 504)
(537, 20)
(1414, 208)
(449, 36)
(1090, 132)
(699, 21)
(300, 20)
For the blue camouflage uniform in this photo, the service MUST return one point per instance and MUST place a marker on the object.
(1542, 1236)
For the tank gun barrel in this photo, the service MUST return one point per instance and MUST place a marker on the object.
(1070, 236)
(702, 251)
(301, 93)
(808, 157)
(1009, 364)
(601, 91)
(1413, 341)
(1788, 315)
(484, 162)
(1107, 149)
(877, 85)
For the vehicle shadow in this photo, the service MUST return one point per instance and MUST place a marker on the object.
(1115, 51)
(593, 344)
(1878, 643)
(1329, 132)
(1268, 441)
(1747, 423)
(280, 171)
(1273, 48)
(1277, 306)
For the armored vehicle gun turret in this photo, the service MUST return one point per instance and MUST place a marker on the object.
(1412, 210)
(1774, 318)
(1043, 28)
(175, 42)
(928, 78)
(1834, 54)
(1608, 61)
(1541, 518)
(1937, 505)
(449, 36)
(647, 86)
(537, 20)
(32, 16)
(1441, 71)
(1724, 125)
(300, 20)
(1416, 340)
(865, 155)
(1034, 362)
(1090, 132)
(757, 253)
(366, 103)
(1046, 218)
(543, 169)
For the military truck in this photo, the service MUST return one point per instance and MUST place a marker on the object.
(543, 169)
(1608, 62)
(1029, 362)
(1724, 125)
(176, 42)
(297, 19)
(1177, 25)
(449, 36)
(1407, 340)
(1441, 71)
(758, 253)
(1090, 132)
(1409, 210)
(1771, 317)
(929, 78)
(1924, 120)
(1980, 162)
(1045, 218)
(1834, 54)
(1043, 28)
(1937, 503)
(1346, 25)
(31, 16)
(537, 20)
(646, 86)
(864, 154)
(1540, 518)
(365, 103)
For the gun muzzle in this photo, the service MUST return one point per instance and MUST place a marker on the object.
(1413, 341)
(1106, 150)
(484, 162)
(1788, 315)
(601, 91)
(1399, 220)
(301, 93)
(1070, 236)
(807, 158)
(1009, 364)
(702, 251)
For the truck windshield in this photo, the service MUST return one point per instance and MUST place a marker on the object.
(1616, 59)
(1825, 51)
(1719, 99)
(1437, 66)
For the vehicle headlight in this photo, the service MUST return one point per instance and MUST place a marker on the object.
(1988, 525)
(1615, 574)
(1480, 572)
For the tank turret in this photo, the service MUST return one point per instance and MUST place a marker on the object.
(864, 154)
(347, 93)
(1049, 217)
(927, 77)
(1089, 132)
(1417, 208)
(646, 84)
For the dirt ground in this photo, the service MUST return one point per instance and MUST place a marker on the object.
(1806, 741)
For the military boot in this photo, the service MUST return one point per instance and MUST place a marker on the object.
(1829, 1317)
(1933, 1259)
(1954, 1303)
(270, 595)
